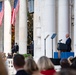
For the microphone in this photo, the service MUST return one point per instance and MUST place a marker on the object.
(46, 37)
(60, 40)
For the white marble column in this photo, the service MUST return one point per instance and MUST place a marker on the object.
(7, 26)
(1, 38)
(23, 27)
(48, 26)
(37, 30)
(75, 27)
(17, 29)
(44, 25)
(62, 19)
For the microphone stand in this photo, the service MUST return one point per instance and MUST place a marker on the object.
(52, 37)
(45, 44)
(52, 48)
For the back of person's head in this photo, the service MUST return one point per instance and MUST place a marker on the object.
(30, 66)
(19, 60)
(67, 72)
(44, 63)
(3, 70)
(73, 66)
(64, 63)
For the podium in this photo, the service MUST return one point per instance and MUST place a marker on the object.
(63, 55)
(62, 47)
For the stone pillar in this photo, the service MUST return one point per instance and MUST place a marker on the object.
(37, 30)
(62, 19)
(17, 29)
(23, 27)
(44, 27)
(1, 38)
(75, 27)
(7, 26)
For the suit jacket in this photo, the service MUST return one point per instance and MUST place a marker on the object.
(22, 72)
(68, 43)
(16, 48)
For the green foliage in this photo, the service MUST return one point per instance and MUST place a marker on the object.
(30, 28)
(27, 55)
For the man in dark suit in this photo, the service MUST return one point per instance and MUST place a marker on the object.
(68, 43)
(16, 48)
(19, 62)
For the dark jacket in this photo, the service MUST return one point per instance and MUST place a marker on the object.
(68, 43)
(16, 48)
(22, 72)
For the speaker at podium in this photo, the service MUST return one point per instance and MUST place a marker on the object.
(62, 47)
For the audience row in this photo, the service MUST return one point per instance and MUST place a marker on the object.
(44, 66)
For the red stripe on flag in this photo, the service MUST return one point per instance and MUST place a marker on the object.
(13, 17)
(14, 13)
(1, 14)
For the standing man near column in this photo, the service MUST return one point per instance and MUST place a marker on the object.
(16, 47)
(68, 43)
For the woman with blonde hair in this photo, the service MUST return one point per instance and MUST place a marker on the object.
(46, 66)
(31, 67)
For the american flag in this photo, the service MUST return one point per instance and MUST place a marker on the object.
(14, 11)
(1, 12)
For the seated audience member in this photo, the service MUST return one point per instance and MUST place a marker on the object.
(46, 66)
(9, 55)
(31, 67)
(72, 62)
(19, 62)
(64, 64)
(3, 70)
(66, 72)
